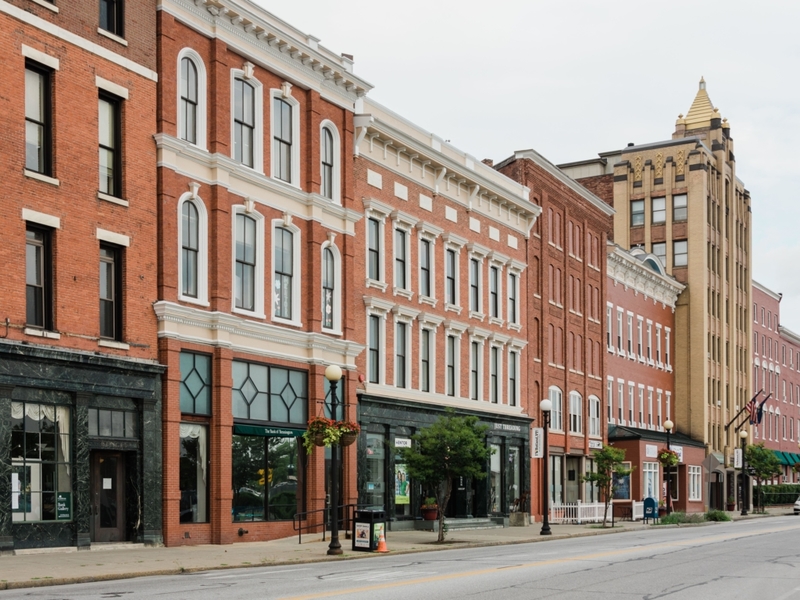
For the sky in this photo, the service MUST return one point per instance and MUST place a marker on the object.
(571, 78)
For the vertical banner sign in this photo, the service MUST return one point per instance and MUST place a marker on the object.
(537, 442)
(737, 458)
(402, 489)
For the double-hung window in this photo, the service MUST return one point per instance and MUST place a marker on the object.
(512, 297)
(494, 374)
(474, 370)
(284, 272)
(38, 119)
(637, 212)
(374, 356)
(425, 267)
(557, 412)
(494, 292)
(400, 259)
(190, 249)
(110, 145)
(401, 354)
(660, 250)
(594, 416)
(451, 365)
(450, 291)
(679, 208)
(425, 361)
(245, 291)
(695, 483)
(474, 285)
(189, 101)
(373, 249)
(680, 253)
(111, 16)
(328, 287)
(282, 140)
(244, 122)
(110, 292)
(575, 413)
(38, 278)
(659, 210)
(513, 361)
(327, 153)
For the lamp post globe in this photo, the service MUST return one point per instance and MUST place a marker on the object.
(668, 425)
(333, 373)
(546, 406)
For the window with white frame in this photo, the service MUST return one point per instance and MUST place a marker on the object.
(641, 406)
(331, 287)
(248, 250)
(650, 485)
(401, 259)
(630, 404)
(475, 285)
(286, 270)
(649, 342)
(475, 360)
(609, 328)
(375, 348)
(285, 136)
(513, 294)
(619, 331)
(494, 291)
(451, 277)
(658, 402)
(494, 374)
(639, 335)
(650, 408)
(425, 268)
(621, 402)
(695, 483)
(667, 362)
(610, 400)
(193, 249)
(246, 119)
(668, 410)
(513, 378)
(451, 358)
(658, 344)
(375, 249)
(575, 413)
(401, 354)
(594, 416)
(426, 359)
(630, 335)
(329, 156)
(192, 98)
(557, 413)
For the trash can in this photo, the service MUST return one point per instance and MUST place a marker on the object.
(368, 526)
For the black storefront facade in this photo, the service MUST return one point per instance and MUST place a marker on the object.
(80, 448)
(387, 425)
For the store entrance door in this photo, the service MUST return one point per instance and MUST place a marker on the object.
(108, 497)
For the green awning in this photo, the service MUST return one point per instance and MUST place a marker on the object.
(782, 457)
(265, 431)
(793, 458)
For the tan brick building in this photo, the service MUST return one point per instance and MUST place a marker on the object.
(680, 199)
(80, 387)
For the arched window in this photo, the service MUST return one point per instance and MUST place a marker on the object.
(557, 413)
(594, 416)
(189, 101)
(328, 288)
(190, 249)
(326, 150)
(246, 262)
(575, 413)
(244, 122)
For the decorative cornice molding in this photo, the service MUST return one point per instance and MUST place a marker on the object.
(626, 269)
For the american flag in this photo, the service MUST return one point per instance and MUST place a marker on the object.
(760, 411)
(751, 408)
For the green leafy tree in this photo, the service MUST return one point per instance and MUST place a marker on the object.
(763, 464)
(609, 462)
(450, 447)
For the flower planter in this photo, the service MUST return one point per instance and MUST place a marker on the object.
(348, 437)
(319, 439)
(430, 514)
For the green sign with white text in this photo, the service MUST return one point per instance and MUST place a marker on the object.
(63, 506)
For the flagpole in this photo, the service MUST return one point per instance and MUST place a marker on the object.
(745, 408)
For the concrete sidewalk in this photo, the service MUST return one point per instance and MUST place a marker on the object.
(33, 568)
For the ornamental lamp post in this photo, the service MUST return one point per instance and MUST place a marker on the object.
(545, 406)
(333, 373)
(668, 425)
(745, 481)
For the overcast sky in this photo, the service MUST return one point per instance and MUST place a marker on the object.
(574, 78)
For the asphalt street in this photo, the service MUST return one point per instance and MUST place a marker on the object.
(756, 559)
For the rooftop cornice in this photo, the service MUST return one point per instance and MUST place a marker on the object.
(789, 335)
(762, 288)
(630, 271)
(267, 40)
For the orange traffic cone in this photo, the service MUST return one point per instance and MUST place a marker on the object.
(382, 543)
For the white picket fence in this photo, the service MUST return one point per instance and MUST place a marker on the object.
(588, 512)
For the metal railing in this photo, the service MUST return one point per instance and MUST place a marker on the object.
(301, 521)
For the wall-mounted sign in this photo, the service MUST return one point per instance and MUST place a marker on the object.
(402, 442)
(63, 506)
(595, 445)
(507, 427)
(679, 451)
(737, 458)
(537, 442)
(651, 451)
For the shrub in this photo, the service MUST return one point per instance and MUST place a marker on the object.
(717, 515)
(679, 518)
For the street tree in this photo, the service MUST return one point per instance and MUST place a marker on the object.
(450, 447)
(763, 465)
(610, 464)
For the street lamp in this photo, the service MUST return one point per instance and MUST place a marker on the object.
(545, 406)
(333, 373)
(668, 425)
(745, 501)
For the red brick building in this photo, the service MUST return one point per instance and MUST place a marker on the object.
(257, 217)
(640, 382)
(442, 277)
(80, 395)
(776, 373)
(566, 290)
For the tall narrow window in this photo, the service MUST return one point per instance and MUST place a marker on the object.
(374, 249)
(494, 373)
(374, 349)
(189, 101)
(327, 288)
(425, 268)
(512, 297)
(474, 367)
(660, 250)
(109, 139)
(474, 285)
(282, 140)
(659, 210)
(494, 292)
(637, 212)
(38, 278)
(38, 115)
(244, 122)
(400, 259)
(512, 378)
(450, 276)
(557, 412)
(425, 361)
(680, 256)
(110, 292)
(327, 150)
(401, 354)
(190, 249)
(194, 473)
(451, 365)
(245, 262)
(679, 208)
(575, 413)
(284, 272)
(111, 16)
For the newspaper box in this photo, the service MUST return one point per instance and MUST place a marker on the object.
(368, 526)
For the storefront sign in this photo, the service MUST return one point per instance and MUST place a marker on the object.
(537, 442)
(507, 427)
(737, 458)
(402, 442)
(595, 445)
(264, 431)
(679, 451)
(651, 451)
(63, 506)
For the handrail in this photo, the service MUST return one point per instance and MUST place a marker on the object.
(344, 520)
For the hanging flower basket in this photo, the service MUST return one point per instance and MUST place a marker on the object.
(348, 438)
(319, 439)
(327, 432)
(668, 458)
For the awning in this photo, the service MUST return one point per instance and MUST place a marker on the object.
(792, 458)
(783, 457)
(264, 431)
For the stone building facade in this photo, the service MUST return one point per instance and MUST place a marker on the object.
(257, 218)
(80, 385)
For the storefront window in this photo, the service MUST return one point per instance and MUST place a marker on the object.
(556, 480)
(375, 483)
(495, 478)
(41, 485)
(267, 478)
(650, 480)
(270, 394)
(513, 477)
(194, 473)
(195, 383)
(591, 491)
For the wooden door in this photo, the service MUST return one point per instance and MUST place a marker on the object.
(108, 497)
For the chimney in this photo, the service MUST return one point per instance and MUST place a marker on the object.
(488, 162)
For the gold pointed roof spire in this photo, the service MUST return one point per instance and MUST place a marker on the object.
(702, 110)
